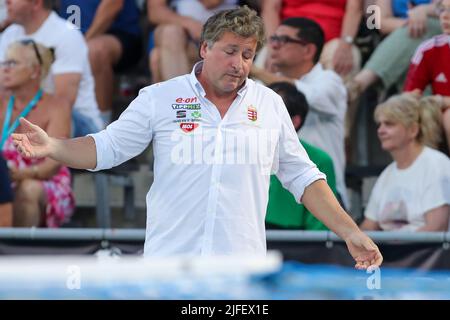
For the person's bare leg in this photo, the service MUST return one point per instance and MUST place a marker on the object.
(154, 63)
(6, 213)
(104, 52)
(29, 203)
(171, 40)
(193, 54)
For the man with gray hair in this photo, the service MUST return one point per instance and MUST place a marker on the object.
(210, 189)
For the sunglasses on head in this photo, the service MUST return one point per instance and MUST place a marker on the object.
(36, 50)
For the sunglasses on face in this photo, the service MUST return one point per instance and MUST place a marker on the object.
(36, 50)
(282, 40)
(9, 64)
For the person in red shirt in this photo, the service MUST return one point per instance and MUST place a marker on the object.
(430, 65)
(339, 19)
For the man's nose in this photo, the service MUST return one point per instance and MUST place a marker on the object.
(236, 63)
(275, 44)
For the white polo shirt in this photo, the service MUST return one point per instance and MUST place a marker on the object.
(211, 175)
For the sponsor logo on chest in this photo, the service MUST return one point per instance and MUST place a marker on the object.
(188, 126)
(187, 113)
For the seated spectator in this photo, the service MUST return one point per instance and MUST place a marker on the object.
(70, 76)
(111, 29)
(339, 19)
(431, 66)
(283, 211)
(6, 197)
(177, 34)
(295, 50)
(405, 26)
(4, 22)
(42, 187)
(413, 192)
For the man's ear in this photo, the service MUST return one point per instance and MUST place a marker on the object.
(202, 50)
(38, 3)
(311, 50)
(297, 122)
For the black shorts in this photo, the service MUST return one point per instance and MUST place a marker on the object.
(131, 49)
(5, 184)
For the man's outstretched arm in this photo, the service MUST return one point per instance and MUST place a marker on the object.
(79, 153)
(320, 201)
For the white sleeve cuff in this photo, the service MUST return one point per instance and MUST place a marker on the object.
(104, 156)
(298, 186)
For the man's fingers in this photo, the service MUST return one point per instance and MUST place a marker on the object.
(17, 136)
(378, 260)
(27, 124)
(359, 266)
(25, 149)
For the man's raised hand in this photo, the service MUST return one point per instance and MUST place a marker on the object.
(34, 143)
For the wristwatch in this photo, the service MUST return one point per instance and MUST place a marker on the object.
(347, 39)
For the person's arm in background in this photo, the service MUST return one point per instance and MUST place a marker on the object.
(417, 19)
(211, 4)
(66, 86)
(343, 57)
(270, 13)
(320, 201)
(67, 69)
(389, 22)
(104, 17)
(160, 13)
(436, 219)
(370, 225)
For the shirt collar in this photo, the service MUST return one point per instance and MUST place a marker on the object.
(317, 69)
(46, 24)
(198, 86)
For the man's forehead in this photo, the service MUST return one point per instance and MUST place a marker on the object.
(282, 29)
(231, 38)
